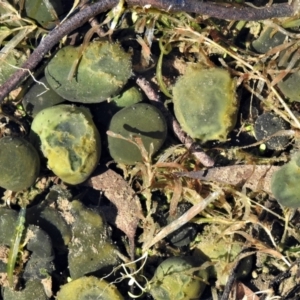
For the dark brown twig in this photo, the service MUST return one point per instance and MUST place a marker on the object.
(186, 217)
(221, 10)
(206, 8)
(52, 39)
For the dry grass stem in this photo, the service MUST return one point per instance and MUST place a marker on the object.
(186, 217)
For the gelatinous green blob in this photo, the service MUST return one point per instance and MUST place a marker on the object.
(50, 220)
(223, 252)
(69, 140)
(19, 164)
(289, 86)
(205, 103)
(268, 39)
(142, 120)
(175, 280)
(105, 111)
(89, 288)
(44, 12)
(102, 71)
(39, 98)
(39, 265)
(91, 248)
(285, 183)
(127, 98)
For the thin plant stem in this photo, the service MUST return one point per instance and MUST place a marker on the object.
(14, 247)
(212, 9)
(186, 217)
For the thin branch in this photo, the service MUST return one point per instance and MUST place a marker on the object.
(186, 217)
(220, 10)
(206, 8)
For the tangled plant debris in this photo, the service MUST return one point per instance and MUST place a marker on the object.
(196, 108)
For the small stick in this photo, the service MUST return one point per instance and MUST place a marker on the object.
(189, 143)
(221, 10)
(186, 217)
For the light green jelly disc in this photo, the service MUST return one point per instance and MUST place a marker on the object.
(69, 140)
(205, 103)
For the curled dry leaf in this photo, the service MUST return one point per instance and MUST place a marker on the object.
(245, 293)
(255, 177)
(118, 191)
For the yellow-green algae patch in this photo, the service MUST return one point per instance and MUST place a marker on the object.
(178, 278)
(205, 103)
(89, 288)
(69, 140)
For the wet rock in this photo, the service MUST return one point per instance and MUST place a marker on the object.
(91, 248)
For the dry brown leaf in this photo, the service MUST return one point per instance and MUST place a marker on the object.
(255, 177)
(244, 293)
(177, 194)
(118, 191)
